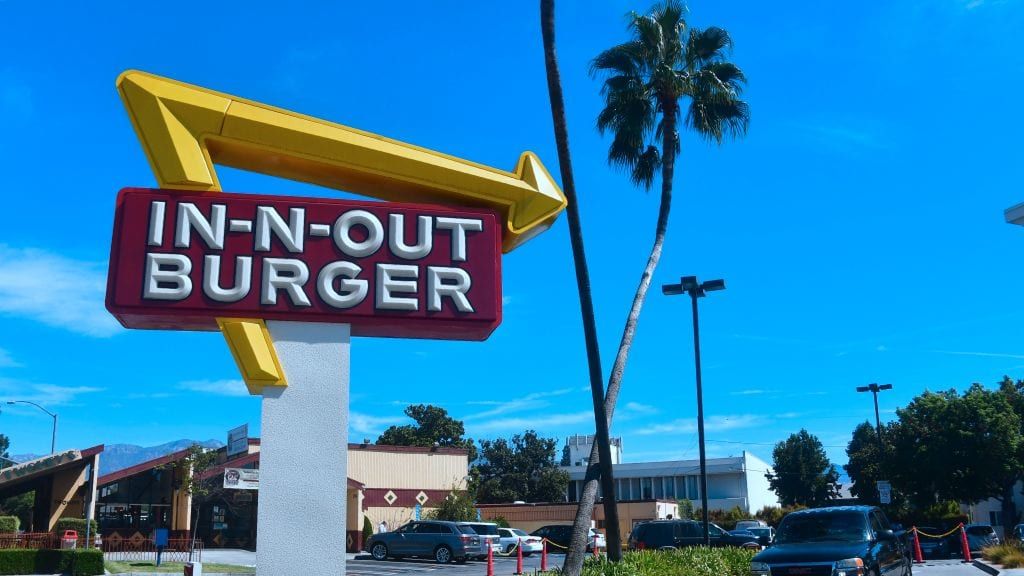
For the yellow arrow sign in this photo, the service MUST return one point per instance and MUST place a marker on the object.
(185, 129)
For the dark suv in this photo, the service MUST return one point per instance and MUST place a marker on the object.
(847, 540)
(670, 534)
(442, 541)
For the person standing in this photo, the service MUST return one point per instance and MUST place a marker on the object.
(383, 527)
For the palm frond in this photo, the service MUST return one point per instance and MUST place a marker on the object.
(649, 33)
(628, 106)
(627, 58)
(727, 75)
(671, 17)
(646, 167)
(708, 45)
(716, 118)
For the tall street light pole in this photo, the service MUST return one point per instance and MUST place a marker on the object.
(53, 437)
(874, 389)
(690, 285)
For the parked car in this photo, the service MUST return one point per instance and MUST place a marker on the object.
(509, 537)
(744, 524)
(671, 534)
(980, 536)
(488, 532)
(933, 547)
(560, 534)
(765, 535)
(848, 540)
(1018, 533)
(442, 541)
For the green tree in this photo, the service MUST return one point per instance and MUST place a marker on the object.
(600, 468)
(22, 504)
(433, 426)
(188, 476)
(686, 509)
(645, 80)
(803, 474)
(1013, 391)
(521, 468)
(457, 507)
(922, 463)
(867, 463)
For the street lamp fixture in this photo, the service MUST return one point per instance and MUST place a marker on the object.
(53, 437)
(875, 389)
(696, 289)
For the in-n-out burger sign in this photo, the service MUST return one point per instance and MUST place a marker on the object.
(182, 259)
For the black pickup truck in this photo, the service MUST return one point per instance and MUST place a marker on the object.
(837, 541)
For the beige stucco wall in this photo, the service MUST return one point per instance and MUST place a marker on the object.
(529, 517)
(422, 471)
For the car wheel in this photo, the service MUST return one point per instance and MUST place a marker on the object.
(442, 555)
(379, 551)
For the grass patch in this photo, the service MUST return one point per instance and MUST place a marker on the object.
(173, 568)
(1008, 555)
(697, 561)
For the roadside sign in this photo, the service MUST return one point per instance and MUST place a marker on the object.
(180, 260)
(238, 440)
(884, 491)
(241, 479)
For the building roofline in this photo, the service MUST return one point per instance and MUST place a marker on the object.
(142, 467)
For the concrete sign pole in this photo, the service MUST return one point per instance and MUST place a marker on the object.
(303, 454)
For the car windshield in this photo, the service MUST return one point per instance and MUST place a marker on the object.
(822, 527)
(980, 530)
(519, 532)
(758, 531)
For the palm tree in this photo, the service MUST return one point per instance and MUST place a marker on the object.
(646, 78)
(574, 558)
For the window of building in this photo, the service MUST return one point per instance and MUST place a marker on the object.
(670, 487)
(646, 488)
(634, 488)
(680, 482)
(572, 492)
(995, 517)
(692, 491)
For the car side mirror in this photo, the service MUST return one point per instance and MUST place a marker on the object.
(886, 536)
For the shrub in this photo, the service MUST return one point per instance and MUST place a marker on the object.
(1009, 555)
(75, 562)
(367, 529)
(501, 521)
(696, 561)
(76, 524)
(9, 524)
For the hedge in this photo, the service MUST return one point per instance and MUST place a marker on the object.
(75, 562)
(76, 524)
(9, 524)
(695, 561)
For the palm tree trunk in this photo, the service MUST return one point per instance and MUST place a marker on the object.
(589, 491)
(574, 557)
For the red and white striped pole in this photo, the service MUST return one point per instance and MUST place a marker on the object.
(519, 557)
(490, 559)
(963, 542)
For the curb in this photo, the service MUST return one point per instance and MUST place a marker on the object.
(986, 568)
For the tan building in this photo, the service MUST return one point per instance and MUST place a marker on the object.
(529, 517)
(385, 484)
(63, 483)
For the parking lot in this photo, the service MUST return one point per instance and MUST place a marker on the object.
(366, 566)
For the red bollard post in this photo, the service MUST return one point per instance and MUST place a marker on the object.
(519, 557)
(966, 545)
(490, 560)
(544, 555)
(918, 557)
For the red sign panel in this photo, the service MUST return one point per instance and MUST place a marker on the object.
(181, 259)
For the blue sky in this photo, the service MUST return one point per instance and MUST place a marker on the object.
(859, 225)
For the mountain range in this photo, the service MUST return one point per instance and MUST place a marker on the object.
(120, 456)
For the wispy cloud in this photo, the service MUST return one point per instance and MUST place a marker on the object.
(367, 425)
(639, 408)
(541, 422)
(216, 387)
(54, 290)
(48, 395)
(530, 401)
(981, 354)
(749, 392)
(712, 424)
(7, 361)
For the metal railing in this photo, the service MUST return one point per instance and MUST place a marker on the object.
(33, 540)
(134, 550)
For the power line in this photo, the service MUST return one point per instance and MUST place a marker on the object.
(762, 443)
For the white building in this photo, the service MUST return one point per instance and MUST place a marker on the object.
(580, 445)
(735, 481)
(991, 511)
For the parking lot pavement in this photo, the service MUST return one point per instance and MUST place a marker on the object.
(946, 568)
(502, 567)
